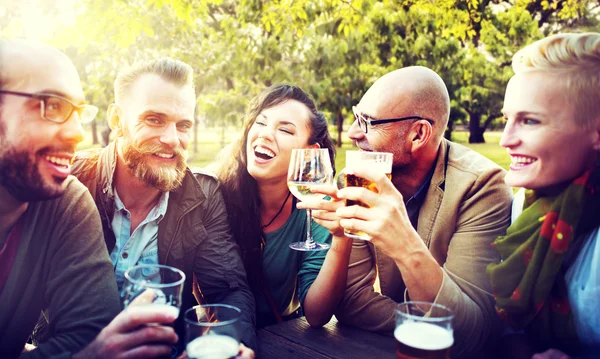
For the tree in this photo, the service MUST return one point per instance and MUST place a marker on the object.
(335, 49)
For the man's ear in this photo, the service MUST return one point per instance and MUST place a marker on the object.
(114, 118)
(420, 134)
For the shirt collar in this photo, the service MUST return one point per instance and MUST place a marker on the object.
(423, 189)
(157, 213)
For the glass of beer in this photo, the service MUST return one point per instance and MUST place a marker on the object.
(377, 161)
(212, 331)
(423, 331)
(153, 284)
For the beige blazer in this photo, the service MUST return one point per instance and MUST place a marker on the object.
(466, 207)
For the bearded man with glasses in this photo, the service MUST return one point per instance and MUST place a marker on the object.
(431, 225)
(52, 257)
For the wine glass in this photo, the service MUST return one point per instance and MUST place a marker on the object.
(153, 284)
(309, 167)
(212, 331)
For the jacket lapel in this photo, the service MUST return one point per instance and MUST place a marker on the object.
(105, 196)
(435, 194)
(181, 201)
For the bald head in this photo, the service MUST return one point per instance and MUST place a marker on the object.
(30, 66)
(411, 91)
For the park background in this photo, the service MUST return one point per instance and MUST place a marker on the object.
(334, 49)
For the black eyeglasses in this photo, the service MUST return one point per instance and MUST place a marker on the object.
(58, 109)
(364, 122)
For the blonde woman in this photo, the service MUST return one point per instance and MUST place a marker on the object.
(547, 286)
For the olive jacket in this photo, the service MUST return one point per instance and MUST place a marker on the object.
(62, 268)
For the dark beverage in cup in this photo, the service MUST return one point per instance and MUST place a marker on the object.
(423, 331)
(422, 341)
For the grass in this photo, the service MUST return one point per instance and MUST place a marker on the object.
(209, 146)
(491, 149)
(211, 141)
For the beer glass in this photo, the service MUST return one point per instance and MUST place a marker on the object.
(309, 167)
(423, 331)
(212, 331)
(153, 284)
(377, 161)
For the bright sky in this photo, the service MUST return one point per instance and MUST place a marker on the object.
(34, 21)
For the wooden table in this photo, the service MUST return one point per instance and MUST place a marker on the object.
(296, 339)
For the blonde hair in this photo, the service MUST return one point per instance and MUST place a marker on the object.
(171, 70)
(575, 60)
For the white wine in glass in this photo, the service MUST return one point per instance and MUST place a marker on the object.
(309, 167)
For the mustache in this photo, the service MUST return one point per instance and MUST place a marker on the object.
(53, 149)
(151, 148)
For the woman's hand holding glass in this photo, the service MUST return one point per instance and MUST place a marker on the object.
(323, 210)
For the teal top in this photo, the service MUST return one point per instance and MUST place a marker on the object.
(288, 272)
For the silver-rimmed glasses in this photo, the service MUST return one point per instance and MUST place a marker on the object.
(58, 109)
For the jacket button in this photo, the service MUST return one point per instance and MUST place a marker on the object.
(125, 255)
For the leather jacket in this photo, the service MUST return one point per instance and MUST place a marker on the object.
(194, 236)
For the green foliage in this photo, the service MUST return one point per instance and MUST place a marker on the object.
(335, 49)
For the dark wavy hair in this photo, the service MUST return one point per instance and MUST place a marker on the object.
(239, 188)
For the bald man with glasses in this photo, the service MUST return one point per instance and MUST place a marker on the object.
(431, 225)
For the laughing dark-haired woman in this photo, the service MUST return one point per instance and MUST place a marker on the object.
(263, 214)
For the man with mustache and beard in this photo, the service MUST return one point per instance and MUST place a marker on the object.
(154, 209)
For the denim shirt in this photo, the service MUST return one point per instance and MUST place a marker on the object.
(142, 246)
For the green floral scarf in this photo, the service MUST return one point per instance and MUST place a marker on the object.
(528, 284)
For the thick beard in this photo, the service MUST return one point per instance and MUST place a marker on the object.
(164, 179)
(20, 175)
